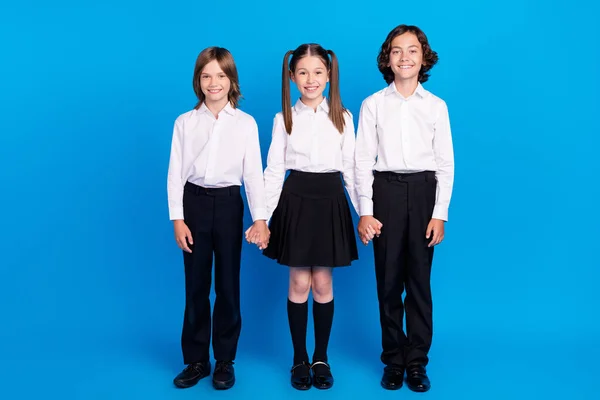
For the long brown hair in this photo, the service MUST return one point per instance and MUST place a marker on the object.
(430, 57)
(328, 57)
(225, 60)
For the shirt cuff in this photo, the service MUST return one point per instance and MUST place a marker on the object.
(366, 207)
(440, 212)
(176, 213)
(259, 213)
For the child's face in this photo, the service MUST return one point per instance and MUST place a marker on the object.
(311, 77)
(406, 57)
(214, 83)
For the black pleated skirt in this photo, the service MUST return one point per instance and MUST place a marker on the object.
(312, 225)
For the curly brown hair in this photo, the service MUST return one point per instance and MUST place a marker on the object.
(430, 57)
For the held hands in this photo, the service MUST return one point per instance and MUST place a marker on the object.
(258, 234)
(183, 236)
(368, 228)
(435, 231)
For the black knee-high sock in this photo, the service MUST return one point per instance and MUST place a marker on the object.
(323, 319)
(298, 319)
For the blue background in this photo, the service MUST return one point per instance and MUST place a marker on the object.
(91, 284)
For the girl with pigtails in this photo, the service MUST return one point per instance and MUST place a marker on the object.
(311, 227)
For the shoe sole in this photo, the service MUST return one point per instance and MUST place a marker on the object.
(298, 387)
(390, 387)
(182, 385)
(323, 387)
(223, 385)
(418, 390)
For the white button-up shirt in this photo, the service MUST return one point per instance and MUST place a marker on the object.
(216, 152)
(404, 135)
(315, 145)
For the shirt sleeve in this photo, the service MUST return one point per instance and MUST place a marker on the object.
(444, 158)
(366, 155)
(253, 176)
(174, 175)
(348, 163)
(275, 171)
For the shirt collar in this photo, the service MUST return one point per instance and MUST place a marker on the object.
(228, 109)
(300, 107)
(419, 91)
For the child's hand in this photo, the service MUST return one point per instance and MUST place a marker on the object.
(250, 235)
(436, 226)
(368, 228)
(182, 232)
(263, 234)
(258, 234)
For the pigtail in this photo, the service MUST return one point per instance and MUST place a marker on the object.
(336, 109)
(286, 103)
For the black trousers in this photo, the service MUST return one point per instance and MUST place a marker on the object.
(215, 219)
(404, 203)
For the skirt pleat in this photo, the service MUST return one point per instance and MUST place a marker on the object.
(312, 224)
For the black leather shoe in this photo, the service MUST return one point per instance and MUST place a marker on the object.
(192, 374)
(224, 375)
(393, 377)
(301, 376)
(416, 378)
(322, 378)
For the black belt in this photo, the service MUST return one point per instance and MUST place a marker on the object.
(221, 191)
(407, 177)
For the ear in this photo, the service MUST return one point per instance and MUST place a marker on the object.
(292, 77)
(328, 75)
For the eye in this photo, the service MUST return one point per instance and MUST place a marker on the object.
(302, 73)
(395, 52)
(319, 72)
(413, 51)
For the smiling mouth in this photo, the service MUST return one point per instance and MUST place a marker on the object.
(405, 66)
(311, 89)
(214, 91)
